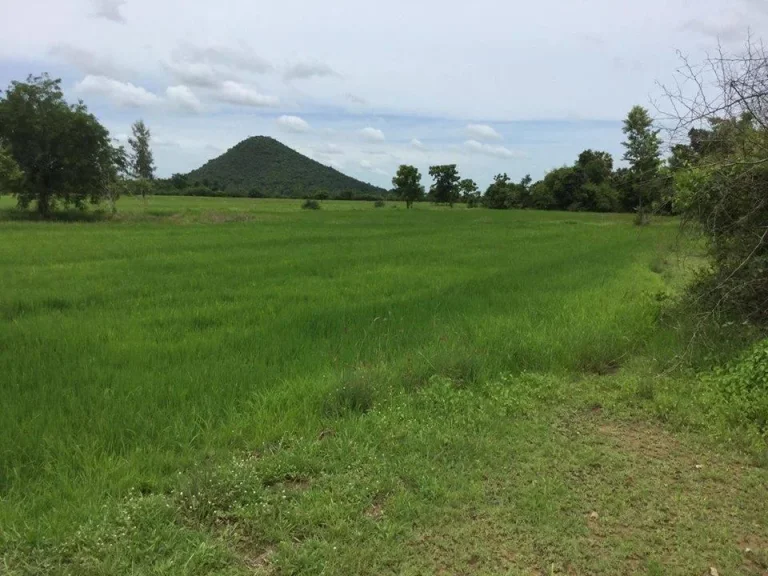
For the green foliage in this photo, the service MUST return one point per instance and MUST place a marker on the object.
(445, 189)
(642, 151)
(141, 159)
(63, 151)
(470, 193)
(722, 191)
(179, 181)
(498, 194)
(379, 203)
(596, 166)
(276, 170)
(407, 184)
(11, 176)
(739, 391)
(310, 204)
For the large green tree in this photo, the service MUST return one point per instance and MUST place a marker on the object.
(642, 149)
(445, 189)
(407, 184)
(62, 149)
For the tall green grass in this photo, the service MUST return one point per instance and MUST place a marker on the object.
(134, 348)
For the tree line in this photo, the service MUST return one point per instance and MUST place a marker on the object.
(590, 184)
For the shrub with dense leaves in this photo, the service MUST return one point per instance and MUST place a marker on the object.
(741, 389)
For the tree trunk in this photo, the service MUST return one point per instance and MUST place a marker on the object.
(44, 205)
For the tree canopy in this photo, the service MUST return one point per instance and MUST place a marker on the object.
(445, 189)
(63, 151)
(407, 184)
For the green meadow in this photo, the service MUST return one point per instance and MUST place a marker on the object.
(238, 386)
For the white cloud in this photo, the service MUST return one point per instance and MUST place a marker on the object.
(482, 132)
(308, 69)
(109, 10)
(235, 93)
(418, 144)
(210, 66)
(195, 73)
(329, 148)
(182, 97)
(490, 150)
(372, 134)
(366, 165)
(121, 93)
(293, 124)
(84, 60)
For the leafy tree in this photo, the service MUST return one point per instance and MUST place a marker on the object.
(469, 190)
(142, 161)
(565, 186)
(497, 195)
(540, 196)
(642, 151)
(407, 184)
(597, 166)
(179, 181)
(63, 151)
(445, 189)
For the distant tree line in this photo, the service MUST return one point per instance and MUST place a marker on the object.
(591, 184)
(183, 185)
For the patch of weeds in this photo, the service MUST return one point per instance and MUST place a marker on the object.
(310, 204)
(461, 368)
(379, 204)
(658, 264)
(355, 395)
(645, 389)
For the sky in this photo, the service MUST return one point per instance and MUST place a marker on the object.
(492, 85)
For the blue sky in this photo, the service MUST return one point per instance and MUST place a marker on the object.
(494, 86)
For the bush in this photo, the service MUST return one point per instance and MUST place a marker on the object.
(310, 204)
(740, 390)
(379, 204)
(255, 193)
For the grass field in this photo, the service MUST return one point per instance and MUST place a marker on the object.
(238, 386)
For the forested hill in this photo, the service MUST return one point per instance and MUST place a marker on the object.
(262, 166)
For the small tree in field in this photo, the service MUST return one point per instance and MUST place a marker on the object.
(642, 151)
(407, 184)
(64, 153)
(445, 189)
(142, 162)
